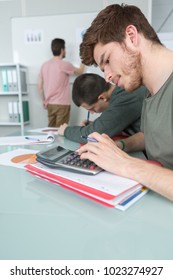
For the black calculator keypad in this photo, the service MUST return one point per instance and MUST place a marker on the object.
(73, 159)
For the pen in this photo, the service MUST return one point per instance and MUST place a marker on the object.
(89, 139)
(88, 118)
(32, 139)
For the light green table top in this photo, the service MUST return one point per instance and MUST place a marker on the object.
(40, 220)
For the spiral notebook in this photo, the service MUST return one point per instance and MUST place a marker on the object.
(27, 140)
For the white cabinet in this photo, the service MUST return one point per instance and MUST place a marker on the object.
(14, 103)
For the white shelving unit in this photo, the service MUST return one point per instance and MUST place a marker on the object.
(14, 104)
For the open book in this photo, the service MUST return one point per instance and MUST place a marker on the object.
(105, 188)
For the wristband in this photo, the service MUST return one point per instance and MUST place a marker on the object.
(123, 144)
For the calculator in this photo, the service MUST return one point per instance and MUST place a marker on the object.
(59, 157)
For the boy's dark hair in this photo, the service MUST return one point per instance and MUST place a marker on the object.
(87, 88)
(57, 45)
(110, 25)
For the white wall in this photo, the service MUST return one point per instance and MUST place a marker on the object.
(8, 9)
(24, 8)
(167, 39)
(162, 15)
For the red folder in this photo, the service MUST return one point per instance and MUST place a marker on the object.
(105, 197)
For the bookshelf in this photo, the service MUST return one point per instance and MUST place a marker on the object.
(14, 105)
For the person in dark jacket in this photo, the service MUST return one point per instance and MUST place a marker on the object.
(121, 110)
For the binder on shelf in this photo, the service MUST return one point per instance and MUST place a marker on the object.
(19, 112)
(14, 78)
(4, 80)
(1, 83)
(10, 80)
(15, 111)
(10, 111)
(25, 108)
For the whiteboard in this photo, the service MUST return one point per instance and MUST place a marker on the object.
(32, 36)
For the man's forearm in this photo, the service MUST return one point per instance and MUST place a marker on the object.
(156, 178)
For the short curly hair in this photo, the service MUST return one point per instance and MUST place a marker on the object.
(110, 25)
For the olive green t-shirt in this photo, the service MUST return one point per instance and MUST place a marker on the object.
(157, 124)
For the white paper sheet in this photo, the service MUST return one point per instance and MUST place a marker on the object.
(45, 130)
(18, 158)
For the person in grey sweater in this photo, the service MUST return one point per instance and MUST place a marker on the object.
(121, 110)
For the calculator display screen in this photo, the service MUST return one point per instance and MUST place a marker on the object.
(55, 153)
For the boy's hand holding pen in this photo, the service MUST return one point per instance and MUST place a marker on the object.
(87, 121)
(86, 137)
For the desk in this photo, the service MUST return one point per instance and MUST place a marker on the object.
(40, 220)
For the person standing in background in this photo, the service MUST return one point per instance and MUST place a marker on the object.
(54, 86)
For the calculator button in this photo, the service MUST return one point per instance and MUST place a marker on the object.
(92, 167)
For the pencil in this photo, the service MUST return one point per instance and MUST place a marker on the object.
(88, 118)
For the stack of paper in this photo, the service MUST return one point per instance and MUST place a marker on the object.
(105, 188)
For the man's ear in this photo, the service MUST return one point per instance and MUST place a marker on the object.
(102, 97)
(132, 34)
